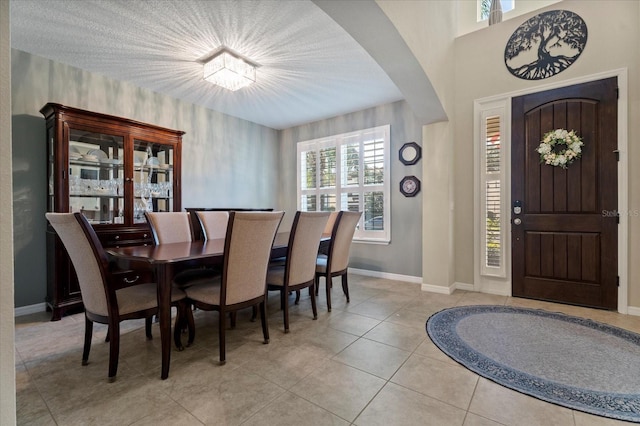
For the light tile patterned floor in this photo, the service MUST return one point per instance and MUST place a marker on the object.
(369, 362)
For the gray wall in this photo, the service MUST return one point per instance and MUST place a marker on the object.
(403, 255)
(228, 161)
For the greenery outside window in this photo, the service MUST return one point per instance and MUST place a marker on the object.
(349, 171)
(484, 6)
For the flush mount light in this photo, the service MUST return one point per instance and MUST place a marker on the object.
(229, 70)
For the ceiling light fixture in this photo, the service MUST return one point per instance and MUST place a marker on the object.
(229, 70)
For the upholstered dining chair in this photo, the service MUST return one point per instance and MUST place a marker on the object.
(330, 222)
(247, 249)
(175, 227)
(109, 296)
(299, 270)
(213, 224)
(336, 262)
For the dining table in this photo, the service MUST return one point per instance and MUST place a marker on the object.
(167, 259)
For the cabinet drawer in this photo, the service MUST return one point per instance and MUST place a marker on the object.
(125, 237)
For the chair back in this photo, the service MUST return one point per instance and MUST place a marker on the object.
(88, 258)
(332, 221)
(341, 238)
(304, 241)
(213, 224)
(248, 244)
(170, 227)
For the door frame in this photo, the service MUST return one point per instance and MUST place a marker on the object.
(502, 286)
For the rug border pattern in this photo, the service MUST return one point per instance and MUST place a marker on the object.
(441, 328)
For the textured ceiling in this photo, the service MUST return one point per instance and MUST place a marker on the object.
(311, 68)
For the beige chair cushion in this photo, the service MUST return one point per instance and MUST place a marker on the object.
(205, 291)
(141, 297)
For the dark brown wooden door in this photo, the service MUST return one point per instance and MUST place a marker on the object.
(565, 247)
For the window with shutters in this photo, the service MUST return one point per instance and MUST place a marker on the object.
(492, 192)
(350, 172)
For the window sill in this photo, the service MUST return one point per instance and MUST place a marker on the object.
(372, 241)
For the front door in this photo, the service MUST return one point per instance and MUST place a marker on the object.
(564, 238)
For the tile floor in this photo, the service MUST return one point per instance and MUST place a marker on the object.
(369, 362)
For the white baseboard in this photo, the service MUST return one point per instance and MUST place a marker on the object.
(31, 309)
(464, 286)
(438, 288)
(386, 275)
(633, 310)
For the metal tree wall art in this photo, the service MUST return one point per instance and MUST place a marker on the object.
(545, 45)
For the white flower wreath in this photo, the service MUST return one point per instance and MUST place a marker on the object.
(549, 154)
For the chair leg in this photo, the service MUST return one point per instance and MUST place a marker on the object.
(178, 326)
(254, 313)
(314, 307)
(263, 319)
(317, 286)
(345, 286)
(147, 328)
(328, 285)
(191, 325)
(221, 337)
(285, 301)
(297, 297)
(114, 349)
(88, 334)
(232, 318)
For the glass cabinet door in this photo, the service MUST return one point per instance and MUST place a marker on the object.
(96, 172)
(152, 178)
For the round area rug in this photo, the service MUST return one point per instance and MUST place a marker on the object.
(573, 362)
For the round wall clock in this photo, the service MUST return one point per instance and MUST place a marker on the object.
(410, 153)
(545, 45)
(410, 186)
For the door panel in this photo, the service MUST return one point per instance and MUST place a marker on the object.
(565, 247)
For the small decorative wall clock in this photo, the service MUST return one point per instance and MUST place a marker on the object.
(410, 186)
(545, 45)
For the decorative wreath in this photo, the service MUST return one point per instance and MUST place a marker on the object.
(550, 148)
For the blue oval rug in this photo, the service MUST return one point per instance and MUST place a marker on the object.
(573, 362)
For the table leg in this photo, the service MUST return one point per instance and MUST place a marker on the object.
(163, 277)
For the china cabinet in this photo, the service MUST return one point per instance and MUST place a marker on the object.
(112, 170)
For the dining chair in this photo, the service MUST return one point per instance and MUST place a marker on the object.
(298, 271)
(247, 249)
(213, 224)
(330, 222)
(336, 262)
(175, 227)
(110, 296)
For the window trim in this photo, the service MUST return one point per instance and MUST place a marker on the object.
(481, 112)
(338, 141)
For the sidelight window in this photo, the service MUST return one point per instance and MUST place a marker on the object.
(491, 192)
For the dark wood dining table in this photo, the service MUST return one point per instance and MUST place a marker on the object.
(168, 259)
